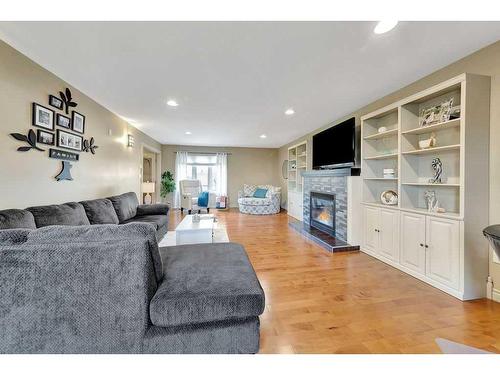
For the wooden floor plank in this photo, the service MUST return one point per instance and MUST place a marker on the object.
(318, 302)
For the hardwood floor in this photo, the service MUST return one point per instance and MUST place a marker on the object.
(317, 302)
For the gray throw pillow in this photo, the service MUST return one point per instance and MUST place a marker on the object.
(100, 211)
(14, 218)
(71, 213)
(125, 205)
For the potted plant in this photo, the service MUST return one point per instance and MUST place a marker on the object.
(167, 183)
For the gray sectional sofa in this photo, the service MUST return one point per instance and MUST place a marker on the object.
(119, 209)
(71, 284)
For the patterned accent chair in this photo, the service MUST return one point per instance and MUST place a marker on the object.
(259, 206)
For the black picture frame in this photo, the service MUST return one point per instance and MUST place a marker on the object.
(58, 121)
(55, 102)
(66, 144)
(40, 139)
(36, 121)
(74, 116)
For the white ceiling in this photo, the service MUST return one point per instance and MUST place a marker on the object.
(234, 80)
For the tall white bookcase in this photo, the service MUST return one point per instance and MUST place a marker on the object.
(297, 163)
(446, 250)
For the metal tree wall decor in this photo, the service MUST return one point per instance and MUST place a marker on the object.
(43, 117)
(29, 139)
(65, 173)
(67, 100)
(89, 145)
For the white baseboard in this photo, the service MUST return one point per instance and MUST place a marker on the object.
(496, 295)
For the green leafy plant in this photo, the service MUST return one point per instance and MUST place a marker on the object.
(167, 183)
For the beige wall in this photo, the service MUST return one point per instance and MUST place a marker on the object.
(28, 178)
(244, 166)
(486, 62)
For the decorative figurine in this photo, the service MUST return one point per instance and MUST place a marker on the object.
(432, 202)
(437, 166)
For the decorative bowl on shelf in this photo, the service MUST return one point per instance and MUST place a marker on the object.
(428, 143)
(389, 197)
(382, 129)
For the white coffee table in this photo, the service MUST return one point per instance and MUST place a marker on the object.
(188, 232)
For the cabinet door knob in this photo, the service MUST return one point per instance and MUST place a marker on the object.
(426, 246)
(422, 244)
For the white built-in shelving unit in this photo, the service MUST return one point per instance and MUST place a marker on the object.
(297, 163)
(444, 249)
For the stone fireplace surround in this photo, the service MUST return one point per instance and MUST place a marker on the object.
(345, 184)
(333, 182)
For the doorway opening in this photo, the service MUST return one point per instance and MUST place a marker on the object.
(150, 176)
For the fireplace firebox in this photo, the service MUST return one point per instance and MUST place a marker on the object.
(322, 212)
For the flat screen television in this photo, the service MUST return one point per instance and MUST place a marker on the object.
(335, 147)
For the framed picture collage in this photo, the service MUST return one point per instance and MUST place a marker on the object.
(59, 129)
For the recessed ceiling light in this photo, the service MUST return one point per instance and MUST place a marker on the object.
(263, 136)
(384, 26)
(172, 103)
(188, 133)
(289, 112)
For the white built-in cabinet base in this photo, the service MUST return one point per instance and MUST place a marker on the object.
(445, 249)
(296, 204)
(426, 247)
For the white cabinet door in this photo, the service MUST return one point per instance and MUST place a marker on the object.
(291, 204)
(371, 220)
(295, 205)
(389, 234)
(443, 251)
(299, 204)
(413, 241)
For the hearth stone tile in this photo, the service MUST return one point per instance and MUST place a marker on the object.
(331, 244)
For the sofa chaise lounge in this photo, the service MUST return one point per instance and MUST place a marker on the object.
(108, 288)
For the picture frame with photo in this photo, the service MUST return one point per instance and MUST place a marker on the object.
(42, 117)
(63, 121)
(78, 122)
(55, 102)
(45, 137)
(69, 141)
